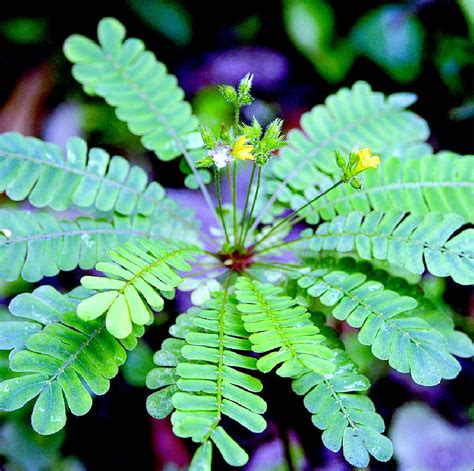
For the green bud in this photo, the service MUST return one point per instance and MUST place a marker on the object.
(230, 94)
(273, 132)
(246, 99)
(204, 162)
(272, 139)
(225, 135)
(245, 84)
(356, 183)
(253, 132)
(341, 163)
(208, 137)
(353, 159)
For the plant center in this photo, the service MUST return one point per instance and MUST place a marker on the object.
(237, 260)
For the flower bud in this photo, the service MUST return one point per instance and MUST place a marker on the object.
(340, 161)
(208, 137)
(356, 183)
(230, 94)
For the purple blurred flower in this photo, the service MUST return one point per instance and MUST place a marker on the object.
(270, 68)
(333, 462)
(431, 395)
(423, 440)
(267, 456)
(62, 123)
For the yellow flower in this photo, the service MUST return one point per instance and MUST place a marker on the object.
(366, 160)
(241, 150)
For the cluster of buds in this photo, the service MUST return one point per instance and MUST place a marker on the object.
(224, 150)
(359, 160)
(239, 96)
(241, 142)
(264, 145)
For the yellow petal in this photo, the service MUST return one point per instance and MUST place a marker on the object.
(364, 153)
(241, 150)
(366, 160)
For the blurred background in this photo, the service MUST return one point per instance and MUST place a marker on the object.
(300, 51)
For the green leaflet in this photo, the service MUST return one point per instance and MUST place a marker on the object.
(41, 245)
(199, 374)
(133, 282)
(417, 243)
(131, 79)
(279, 325)
(211, 383)
(387, 322)
(346, 416)
(356, 116)
(458, 343)
(164, 377)
(442, 182)
(332, 393)
(62, 359)
(48, 177)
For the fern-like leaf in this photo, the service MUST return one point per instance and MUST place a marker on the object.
(388, 324)
(280, 326)
(443, 182)
(164, 377)
(201, 369)
(131, 79)
(348, 118)
(42, 173)
(34, 245)
(132, 285)
(346, 416)
(417, 243)
(348, 419)
(457, 343)
(59, 357)
(210, 385)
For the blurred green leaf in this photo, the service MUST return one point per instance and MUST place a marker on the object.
(452, 56)
(462, 112)
(247, 30)
(211, 109)
(467, 7)
(10, 289)
(25, 30)
(168, 17)
(100, 119)
(310, 26)
(393, 39)
(362, 355)
(139, 363)
(25, 450)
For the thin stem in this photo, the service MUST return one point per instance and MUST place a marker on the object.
(234, 200)
(278, 263)
(204, 271)
(234, 179)
(236, 119)
(276, 266)
(288, 219)
(220, 364)
(254, 202)
(244, 221)
(219, 203)
(282, 244)
(229, 180)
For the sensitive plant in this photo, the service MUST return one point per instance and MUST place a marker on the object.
(268, 295)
